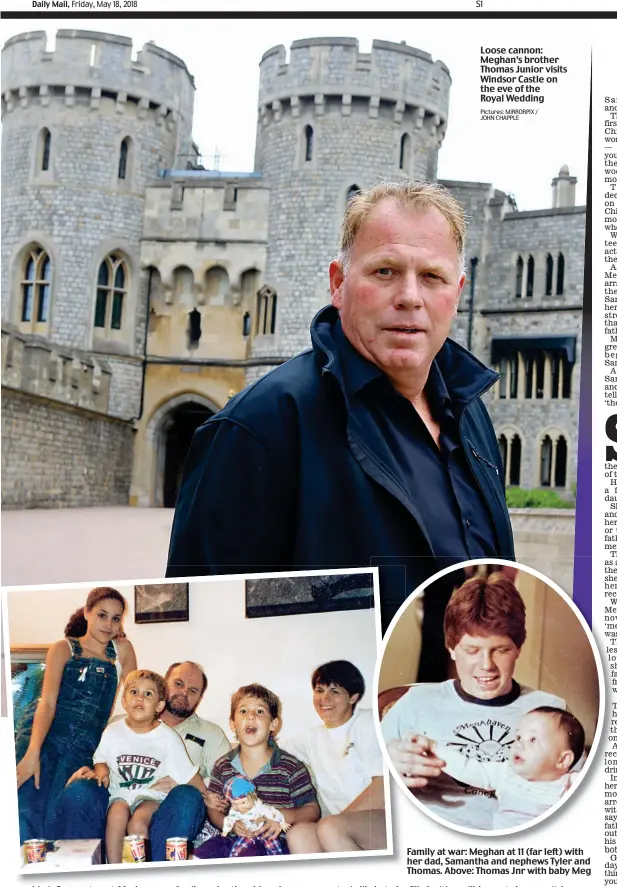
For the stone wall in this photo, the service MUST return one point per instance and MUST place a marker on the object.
(90, 96)
(544, 540)
(358, 107)
(54, 455)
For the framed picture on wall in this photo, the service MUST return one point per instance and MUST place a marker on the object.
(167, 602)
(293, 595)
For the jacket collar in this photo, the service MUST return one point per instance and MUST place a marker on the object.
(464, 376)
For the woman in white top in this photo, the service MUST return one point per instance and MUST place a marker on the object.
(345, 762)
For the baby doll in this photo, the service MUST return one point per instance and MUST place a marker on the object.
(248, 809)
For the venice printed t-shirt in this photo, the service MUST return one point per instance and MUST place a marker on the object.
(137, 760)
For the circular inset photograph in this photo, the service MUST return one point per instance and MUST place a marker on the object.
(490, 697)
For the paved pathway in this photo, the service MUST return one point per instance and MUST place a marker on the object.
(84, 544)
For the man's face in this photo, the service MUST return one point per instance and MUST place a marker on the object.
(401, 290)
(485, 664)
(333, 704)
(184, 690)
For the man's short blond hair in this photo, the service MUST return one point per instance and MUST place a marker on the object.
(419, 196)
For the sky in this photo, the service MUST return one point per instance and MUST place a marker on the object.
(519, 157)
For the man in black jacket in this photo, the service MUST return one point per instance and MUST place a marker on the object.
(371, 449)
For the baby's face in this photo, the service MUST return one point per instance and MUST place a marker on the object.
(540, 751)
(242, 805)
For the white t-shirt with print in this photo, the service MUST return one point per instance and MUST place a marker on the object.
(137, 760)
(519, 800)
(342, 760)
(483, 731)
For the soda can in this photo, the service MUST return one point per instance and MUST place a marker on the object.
(35, 850)
(134, 849)
(176, 849)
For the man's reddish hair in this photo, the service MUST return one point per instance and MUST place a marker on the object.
(490, 606)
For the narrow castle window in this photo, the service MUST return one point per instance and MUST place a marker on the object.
(548, 289)
(557, 363)
(194, 330)
(266, 310)
(35, 287)
(351, 192)
(110, 293)
(561, 461)
(530, 272)
(540, 367)
(515, 462)
(518, 292)
(45, 149)
(566, 383)
(510, 450)
(308, 143)
(546, 461)
(508, 382)
(404, 151)
(503, 448)
(124, 157)
(561, 270)
(553, 461)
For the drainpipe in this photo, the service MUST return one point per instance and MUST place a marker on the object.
(145, 351)
(472, 289)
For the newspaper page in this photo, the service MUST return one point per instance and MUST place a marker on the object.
(174, 179)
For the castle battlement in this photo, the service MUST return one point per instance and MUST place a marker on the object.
(322, 68)
(91, 63)
(33, 365)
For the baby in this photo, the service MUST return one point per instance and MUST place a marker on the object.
(247, 808)
(548, 743)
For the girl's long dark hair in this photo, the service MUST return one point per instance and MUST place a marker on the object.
(77, 626)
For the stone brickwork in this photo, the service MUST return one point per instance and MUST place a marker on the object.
(33, 364)
(544, 540)
(358, 106)
(226, 271)
(536, 233)
(125, 388)
(57, 456)
(80, 205)
(497, 236)
(90, 96)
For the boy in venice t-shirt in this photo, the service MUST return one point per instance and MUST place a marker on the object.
(133, 754)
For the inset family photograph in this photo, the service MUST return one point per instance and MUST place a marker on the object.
(218, 737)
(491, 729)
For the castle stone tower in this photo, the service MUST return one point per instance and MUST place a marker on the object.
(85, 128)
(332, 120)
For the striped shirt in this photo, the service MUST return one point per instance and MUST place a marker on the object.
(283, 782)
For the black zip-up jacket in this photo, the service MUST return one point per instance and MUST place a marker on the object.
(292, 474)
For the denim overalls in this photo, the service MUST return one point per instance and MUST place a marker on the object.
(85, 699)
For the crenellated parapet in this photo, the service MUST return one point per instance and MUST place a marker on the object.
(88, 66)
(33, 365)
(329, 74)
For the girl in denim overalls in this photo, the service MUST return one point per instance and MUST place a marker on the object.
(79, 688)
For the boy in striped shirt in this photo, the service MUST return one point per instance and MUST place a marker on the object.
(282, 781)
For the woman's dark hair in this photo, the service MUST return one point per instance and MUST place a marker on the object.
(342, 673)
(77, 626)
